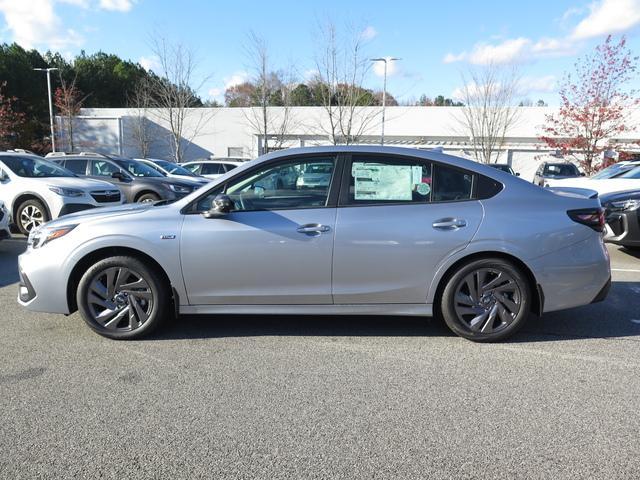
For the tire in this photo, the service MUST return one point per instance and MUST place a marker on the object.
(31, 213)
(148, 197)
(497, 310)
(123, 313)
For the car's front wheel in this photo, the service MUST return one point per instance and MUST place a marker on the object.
(148, 198)
(123, 298)
(31, 214)
(486, 300)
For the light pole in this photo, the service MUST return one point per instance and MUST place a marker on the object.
(384, 89)
(53, 133)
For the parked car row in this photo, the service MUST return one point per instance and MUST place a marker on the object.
(35, 190)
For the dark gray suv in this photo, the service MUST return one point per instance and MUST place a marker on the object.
(138, 182)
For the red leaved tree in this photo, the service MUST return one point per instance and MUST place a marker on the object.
(10, 120)
(594, 105)
(68, 100)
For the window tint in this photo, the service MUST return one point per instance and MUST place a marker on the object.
(78, 167)
(102, 168)
(281, 186)
(212, 169)
(193, 168)
(450, 184)
(229, 166)
(377, 179)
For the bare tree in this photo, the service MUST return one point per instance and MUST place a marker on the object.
(68, 100)
(342, 67)
(140, 100)
(270, 89)
(489, 111)
(173, 95)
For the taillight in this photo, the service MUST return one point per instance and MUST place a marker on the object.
(591, 217)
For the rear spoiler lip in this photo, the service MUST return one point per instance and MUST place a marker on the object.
(574, 192)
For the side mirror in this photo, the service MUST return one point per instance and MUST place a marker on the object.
(118, 176)
(517, 174)
(222, 205)
(3, 176)
(582, 174)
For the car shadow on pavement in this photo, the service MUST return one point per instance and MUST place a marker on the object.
(613, 318)
(9, 251)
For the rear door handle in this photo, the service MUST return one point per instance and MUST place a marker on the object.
(449, 223)
(313, 229)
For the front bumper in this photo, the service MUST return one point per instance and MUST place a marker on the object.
(623, 228)
(43, 281)
(65, 205)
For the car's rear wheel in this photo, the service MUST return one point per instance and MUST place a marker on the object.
(30, 214)
(486, 300)
(123, 298)
(148, 198)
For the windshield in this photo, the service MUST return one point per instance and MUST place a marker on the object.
(634, 173)
(612, 171)
(174, 168)
(138, 169)
(35, 167)
(562, 170)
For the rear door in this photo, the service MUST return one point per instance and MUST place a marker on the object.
(398, 218)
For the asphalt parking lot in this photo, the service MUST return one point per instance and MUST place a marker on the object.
(312, 397)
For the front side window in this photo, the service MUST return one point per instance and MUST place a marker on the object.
(379, 179)
(34, 167)
(300, 183)
(102, 168)
(139, 169)
(213, 169)
(193, 168)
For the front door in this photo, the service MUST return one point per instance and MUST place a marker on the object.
(399, 217)
(275, 247)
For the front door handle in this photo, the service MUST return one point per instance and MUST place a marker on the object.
(449, 223)
(313, 229)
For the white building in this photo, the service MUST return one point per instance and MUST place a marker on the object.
(229, 132)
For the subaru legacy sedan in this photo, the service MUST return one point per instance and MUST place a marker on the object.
(393, 232)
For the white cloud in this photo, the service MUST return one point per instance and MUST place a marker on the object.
(117, 5)
(545, 84)
(149, 63)
(452, 57)
(509, 51)
(34, 23)
(215, 92)
(236, 79)
(608, 17)
(369, 33)
(392, 68)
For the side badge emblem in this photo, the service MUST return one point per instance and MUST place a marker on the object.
(167, 237)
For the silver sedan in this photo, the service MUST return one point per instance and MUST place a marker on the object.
(393, 232)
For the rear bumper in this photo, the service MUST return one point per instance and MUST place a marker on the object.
(573, 276)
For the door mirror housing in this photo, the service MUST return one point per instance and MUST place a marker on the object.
(222, 205)
(3, 176)
(119, 176)
(517, 174)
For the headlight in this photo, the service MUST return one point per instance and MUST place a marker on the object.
(38, 237)
(627, 205)
(66, 192)
(178, 188)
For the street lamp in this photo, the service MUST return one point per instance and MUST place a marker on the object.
(53, 134)
(384, 89)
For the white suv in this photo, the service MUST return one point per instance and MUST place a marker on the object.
(36, 190)
(213, 168)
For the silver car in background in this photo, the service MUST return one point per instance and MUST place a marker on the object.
(394, 232)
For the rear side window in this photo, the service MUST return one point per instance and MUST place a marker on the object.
(79, 167)
(378, 179)
(193, 168)
(229, 166)
(451, 184)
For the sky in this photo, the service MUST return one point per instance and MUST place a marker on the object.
(437, 42)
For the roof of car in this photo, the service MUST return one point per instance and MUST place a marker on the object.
(217, 160)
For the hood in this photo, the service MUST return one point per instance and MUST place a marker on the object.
(610, 185)
(569, 182)
(101, 213)
(620, 196)
(73, 182)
